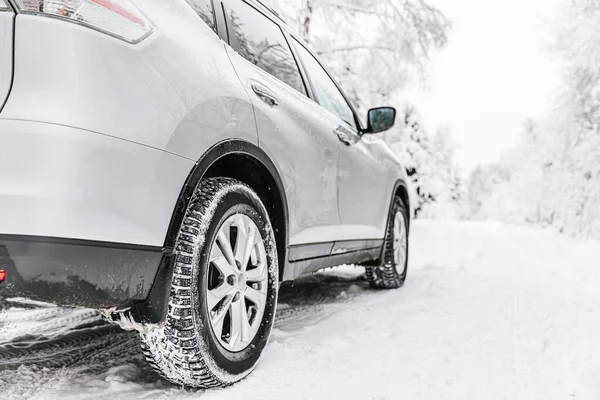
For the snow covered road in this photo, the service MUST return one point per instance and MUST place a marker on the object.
(488, 311)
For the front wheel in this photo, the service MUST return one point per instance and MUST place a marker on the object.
(391, 274)
(223, 292)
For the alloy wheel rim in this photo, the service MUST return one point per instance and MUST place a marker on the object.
(237, 282)
(400, 242)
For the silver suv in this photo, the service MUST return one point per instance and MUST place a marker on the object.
(170, 162)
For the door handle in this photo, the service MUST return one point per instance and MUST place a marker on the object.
(344, 135)
(265, 95)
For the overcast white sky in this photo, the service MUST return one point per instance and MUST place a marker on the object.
(495, 72)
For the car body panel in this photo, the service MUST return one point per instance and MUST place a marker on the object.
(6, 50)
(64, 182)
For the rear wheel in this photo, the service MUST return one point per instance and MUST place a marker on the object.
(224, 289)
(391, 273)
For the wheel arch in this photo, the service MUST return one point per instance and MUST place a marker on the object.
(401, 191)
(235, 159)
(248, 163)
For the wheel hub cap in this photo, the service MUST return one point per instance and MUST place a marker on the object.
(242, 282)
(237, 282)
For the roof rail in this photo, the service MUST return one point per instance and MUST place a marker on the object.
(271, 10)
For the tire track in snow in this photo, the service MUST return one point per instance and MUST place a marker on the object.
(85, 344)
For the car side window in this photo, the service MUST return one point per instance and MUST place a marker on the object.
(325, 90)
(204, 9)
(260, 41)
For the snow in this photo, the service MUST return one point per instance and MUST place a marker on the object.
(489, 311)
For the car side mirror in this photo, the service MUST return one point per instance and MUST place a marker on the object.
(380, 119)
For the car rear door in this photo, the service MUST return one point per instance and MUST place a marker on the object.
(293, 130)
(7, 19)
(362, 179)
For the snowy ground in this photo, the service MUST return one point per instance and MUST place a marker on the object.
(488, 312)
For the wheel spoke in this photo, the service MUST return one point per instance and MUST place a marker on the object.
(253, 328)
(225, 244)
(259, 258)
(258, 274)
(256, 296)
(244, 245)
(219, 316)
(237, 315)
(217, 294)
(400, 260)
(221, 262)
(246, 331)
(397, 232)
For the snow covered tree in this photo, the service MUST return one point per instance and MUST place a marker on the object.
(437, 184)
(412, 145)
(552, 176)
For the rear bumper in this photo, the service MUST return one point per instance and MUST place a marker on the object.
(78, 272)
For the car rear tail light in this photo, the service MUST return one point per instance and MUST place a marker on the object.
(2, 272)
(119, 18)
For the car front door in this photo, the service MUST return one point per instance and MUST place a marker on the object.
(364, 187)
(291, 126)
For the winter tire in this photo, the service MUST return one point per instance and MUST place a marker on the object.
(223, 292)
(391, 274)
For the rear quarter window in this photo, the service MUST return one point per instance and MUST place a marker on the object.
(205, 10)
(261, 41)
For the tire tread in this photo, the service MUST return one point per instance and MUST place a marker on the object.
(385, 276)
